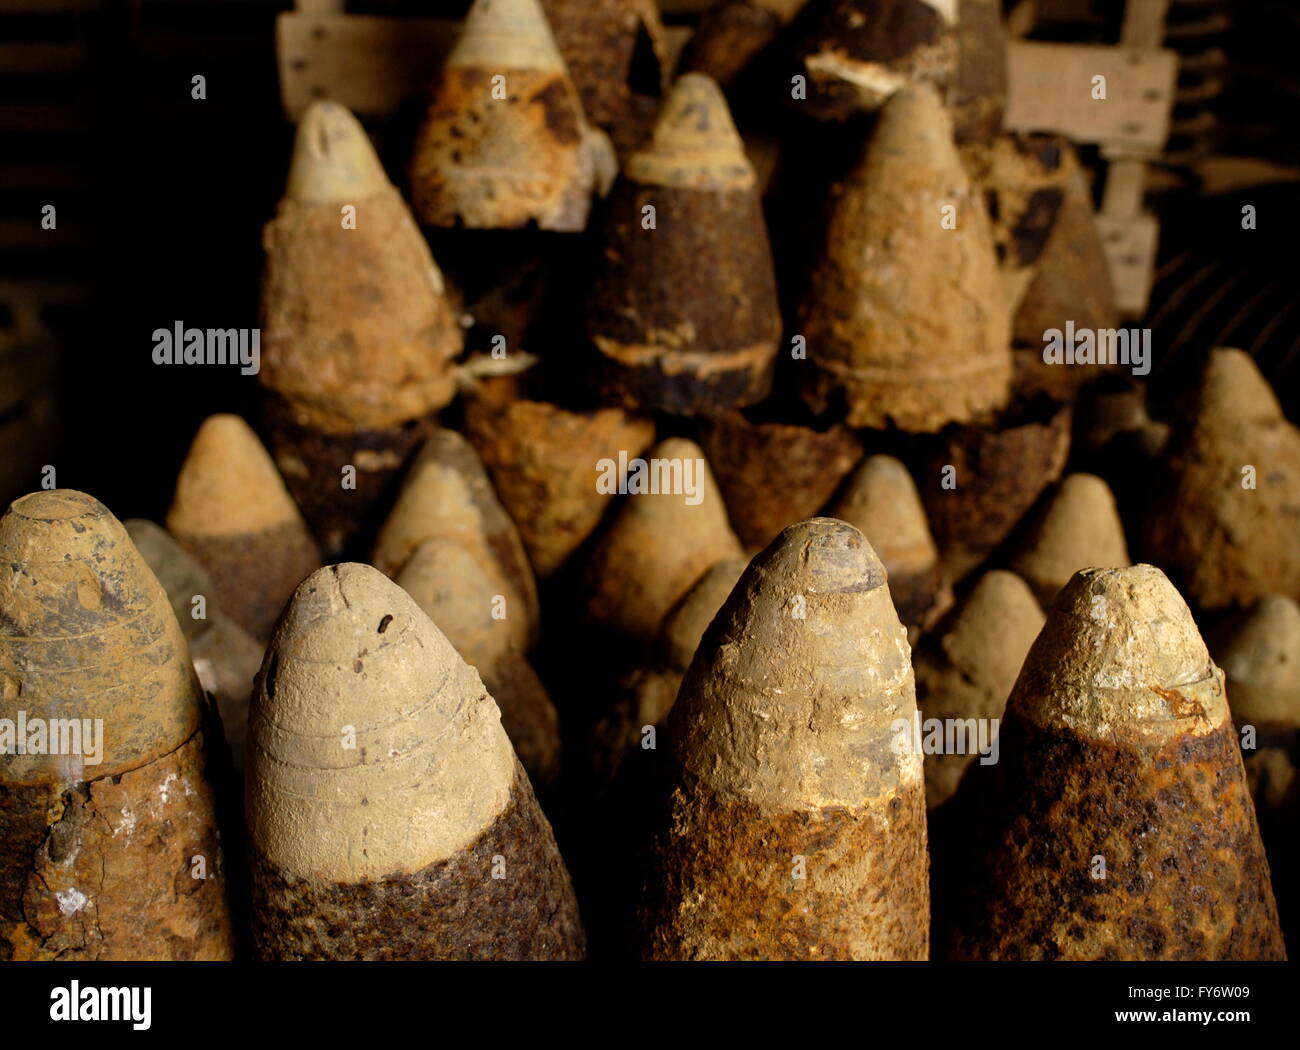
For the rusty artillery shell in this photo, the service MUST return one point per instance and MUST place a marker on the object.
(232, 512)
(859, 53)
(796, 826)
(109, 847)
(1078, 527)
(774, 474)
(225, 657)
(1071, 283)
(504, 142)
(543, 459)
(684, 312)
(359, 337)
(1227, 511)
(463, 596)
(881, 501)
(904, 316)
(659, 544)
(732, 32)
(981, 480)
(447, 493)
(1119, 824)
(978, 90)
(388, 816)
(1259, 652)
(965, 670)
(686, 624)
(600, 41)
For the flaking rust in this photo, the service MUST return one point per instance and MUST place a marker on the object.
(117, 858)
(505, 142)
(795, 825)
(904, 317)
(232, 512)
(461, 593)
(1117, 823)
(684, 313)
(358, 334)
(388, 816)
(448, 493)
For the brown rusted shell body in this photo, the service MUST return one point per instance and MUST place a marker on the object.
(859, 52)
(978, 93)
(356, 333)
(106, 869)
(435, 913)
(1185, 878)
(254, 574)
(501, 163)
(725, 869)
(542, 459)
(729, 34)
(311, 461)
(684, 316)
(598, 39)
(876, 338)
(774, 474)
(1000, 473)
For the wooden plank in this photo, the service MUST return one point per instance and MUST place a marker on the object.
(1130, 244)
(1049, 88)
(1144, 23)
(368, 63)
(47, 7)
(39, 117)
(41, 176)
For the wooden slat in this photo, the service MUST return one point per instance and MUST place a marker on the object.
(41, 176)
(47, 7)
(1049, 88)
(1130, 242)
(369, 64)
(40, 117)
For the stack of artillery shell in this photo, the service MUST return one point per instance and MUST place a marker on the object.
(225, 658)
(981, 480)
(978, 92)
(358, 336)
(732, 32)
(1119, 824)
(1077, 528)
(904, 316)
(880, 500)
(684, 313)
(600, 41)
(966, 670)
(388, 816)
(1228, 510)
(658, 546)
(459, 594)
(859, 53)
(447, 494)
(796, 826)
(108, 851)
(543, 461)
(504, 142)
(232, 512)
(774, 474)
(1260, 655)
